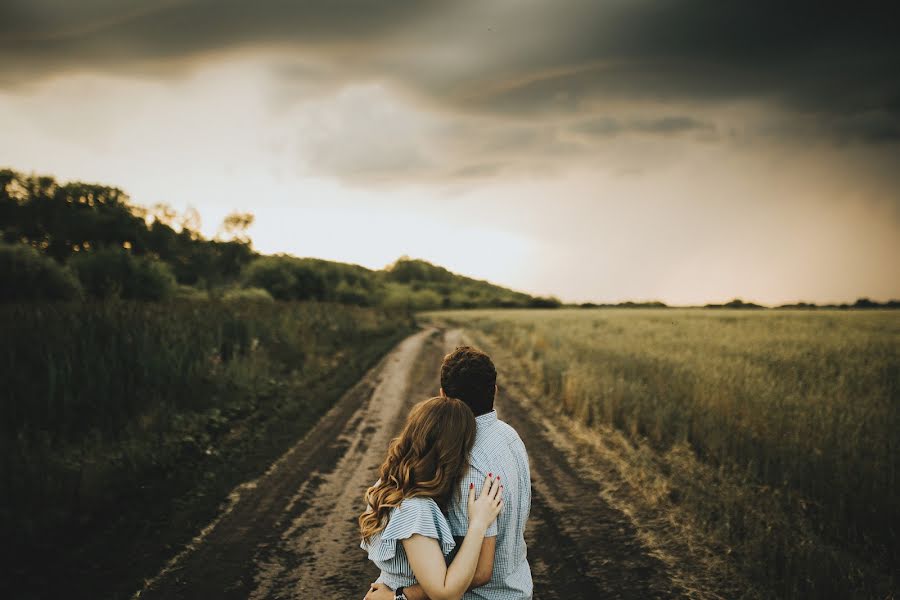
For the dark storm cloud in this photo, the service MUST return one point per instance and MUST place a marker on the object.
(608, 127)
(833, 63)
(834, 66)
(40, 37)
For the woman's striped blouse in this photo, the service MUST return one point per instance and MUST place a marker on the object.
(414, 515)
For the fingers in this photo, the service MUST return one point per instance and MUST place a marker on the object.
(471, 493)
(491, 488)
(488, 484)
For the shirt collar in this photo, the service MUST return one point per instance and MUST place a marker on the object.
(486, 419)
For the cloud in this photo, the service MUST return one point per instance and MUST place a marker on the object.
(40, 38)
(504, 54)
(506, 83)
(672, 125)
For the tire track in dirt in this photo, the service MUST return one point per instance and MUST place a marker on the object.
(292, 533)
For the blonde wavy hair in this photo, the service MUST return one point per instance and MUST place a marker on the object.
(427, 459)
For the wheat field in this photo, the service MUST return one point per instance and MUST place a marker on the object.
(799, 408)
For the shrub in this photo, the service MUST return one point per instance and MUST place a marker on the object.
(26, 275)
(548, 302)
(254, 294)
(188, 292)
(116, 273)
(346, 293)
(427, 300)
(285, 278)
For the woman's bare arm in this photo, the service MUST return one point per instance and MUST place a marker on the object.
(438, 581)
(484, 570)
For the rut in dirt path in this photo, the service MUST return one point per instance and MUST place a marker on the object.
(292, 533)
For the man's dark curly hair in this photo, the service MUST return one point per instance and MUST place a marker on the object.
(469, 375)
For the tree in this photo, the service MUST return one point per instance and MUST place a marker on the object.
(235, 226)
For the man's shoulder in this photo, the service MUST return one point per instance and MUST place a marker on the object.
(509, 435)
(507, 429)
(500, 436)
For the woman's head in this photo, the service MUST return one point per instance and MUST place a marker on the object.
(427, 459)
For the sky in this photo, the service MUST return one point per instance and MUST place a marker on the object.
(596, 150)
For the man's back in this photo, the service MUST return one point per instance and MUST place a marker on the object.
(499, 450)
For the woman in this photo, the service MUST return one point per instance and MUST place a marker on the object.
(404, 528)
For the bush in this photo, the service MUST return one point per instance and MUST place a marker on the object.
(26, 275)
(285, 278)
(116, 273)
(189, 292)
(427, 300)
(401, 297)
(548, 302)
(254, 294)
(346, 293)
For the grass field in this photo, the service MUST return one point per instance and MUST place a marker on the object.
(125, 424)
(797, 413)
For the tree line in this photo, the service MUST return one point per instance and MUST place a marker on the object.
(87, 241)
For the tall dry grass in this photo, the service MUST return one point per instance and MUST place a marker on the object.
(801, 408)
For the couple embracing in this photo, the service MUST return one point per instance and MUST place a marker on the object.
(446, 519)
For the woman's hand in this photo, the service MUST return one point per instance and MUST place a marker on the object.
(439, 581)
(379, 591)
(485, 509)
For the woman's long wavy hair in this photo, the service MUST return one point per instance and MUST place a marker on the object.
(428, 459)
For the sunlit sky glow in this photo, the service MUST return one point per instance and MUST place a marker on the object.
(594, 151)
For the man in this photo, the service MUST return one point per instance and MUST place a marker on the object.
(503, 572)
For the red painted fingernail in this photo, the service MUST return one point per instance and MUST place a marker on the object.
(490, 474)
(471, 485)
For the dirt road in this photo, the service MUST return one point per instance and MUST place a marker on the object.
(292, 532)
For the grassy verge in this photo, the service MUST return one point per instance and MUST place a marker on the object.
(125, 425)
(776, 431)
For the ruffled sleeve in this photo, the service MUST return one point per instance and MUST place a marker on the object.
(414, 515)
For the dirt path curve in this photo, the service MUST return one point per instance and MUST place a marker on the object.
(292, 532)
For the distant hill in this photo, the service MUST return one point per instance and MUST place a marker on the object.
(75, 240)
(407, 283)
(457, 290)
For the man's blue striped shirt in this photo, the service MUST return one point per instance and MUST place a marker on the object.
(500, 451)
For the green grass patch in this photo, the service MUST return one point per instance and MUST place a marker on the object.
(125, 424)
